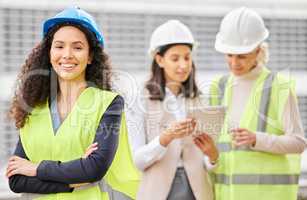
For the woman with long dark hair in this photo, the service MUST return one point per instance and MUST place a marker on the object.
(164, 149)
(73, 139)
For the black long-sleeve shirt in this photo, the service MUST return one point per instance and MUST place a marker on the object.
(55, 176)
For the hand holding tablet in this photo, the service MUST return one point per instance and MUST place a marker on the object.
(210, 120)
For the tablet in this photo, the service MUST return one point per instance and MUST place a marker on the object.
(210, 120)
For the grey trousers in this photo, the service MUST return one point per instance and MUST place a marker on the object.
(181, 189)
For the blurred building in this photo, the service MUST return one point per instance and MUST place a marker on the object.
(127, 26)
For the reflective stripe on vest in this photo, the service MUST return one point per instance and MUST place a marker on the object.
(257, 179)
(227, 147)
(113, 194)
(221, 85)
(264, 102)
(104, 187)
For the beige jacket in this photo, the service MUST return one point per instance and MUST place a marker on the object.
(157, 179)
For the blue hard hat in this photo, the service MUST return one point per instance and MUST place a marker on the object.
(74, 15)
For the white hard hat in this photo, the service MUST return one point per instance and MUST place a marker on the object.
(171, 32)
(241, 31)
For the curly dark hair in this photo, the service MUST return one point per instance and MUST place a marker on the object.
(156, 84)
(37, 78)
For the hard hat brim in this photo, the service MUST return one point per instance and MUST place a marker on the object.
(153, 51)
(54, 21)
(227, 49)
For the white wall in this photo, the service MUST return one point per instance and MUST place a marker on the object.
(267, 8)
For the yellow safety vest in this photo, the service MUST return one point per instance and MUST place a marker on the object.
(244, 174)
(73, 137)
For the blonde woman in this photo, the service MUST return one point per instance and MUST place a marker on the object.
(260, 150)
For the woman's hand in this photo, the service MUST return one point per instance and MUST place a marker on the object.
(90, 149)
(177, 130)
(206, 144)
(243, 137)
(21, 166)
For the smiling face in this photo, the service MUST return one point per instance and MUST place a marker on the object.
(70, 54)
(177, 63)
(240, 64)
